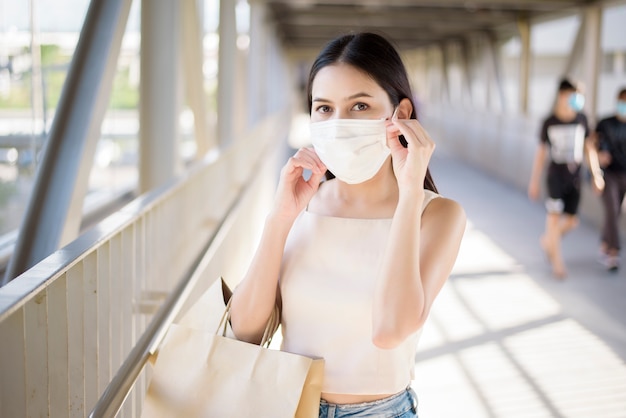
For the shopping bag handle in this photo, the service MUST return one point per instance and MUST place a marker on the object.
(270, 328)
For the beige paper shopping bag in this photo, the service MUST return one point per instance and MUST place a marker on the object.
(200, 373)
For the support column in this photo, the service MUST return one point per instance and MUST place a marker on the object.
(592, 57)
(494, 58)
(445, 68)
(257, 63)
(160, 93)
(467, 69)
(278, 78)
(435, 81)
(523, 26)
(240, 116)
(421, 77)
(226, 73)
(577, 50)
(487, 71)
(619, 63)
(193, 60)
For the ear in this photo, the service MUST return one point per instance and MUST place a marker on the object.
(405, 108)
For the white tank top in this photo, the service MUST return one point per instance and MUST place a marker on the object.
(327, 285)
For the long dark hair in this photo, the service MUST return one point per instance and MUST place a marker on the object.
(377, 57)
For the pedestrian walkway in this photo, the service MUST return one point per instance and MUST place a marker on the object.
(504, 338)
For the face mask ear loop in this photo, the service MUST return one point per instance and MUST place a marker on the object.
(395, 113)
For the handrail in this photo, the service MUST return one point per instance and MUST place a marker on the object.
(104, 302)
(91, 214)
(17, 293)
(122, 383)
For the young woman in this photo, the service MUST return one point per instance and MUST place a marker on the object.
(356, 261)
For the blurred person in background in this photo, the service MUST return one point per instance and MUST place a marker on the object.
(563, 136)
(607, 161)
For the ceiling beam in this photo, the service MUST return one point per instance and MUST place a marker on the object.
(474, 4)
(410, 23)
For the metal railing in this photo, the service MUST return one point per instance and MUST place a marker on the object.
(78, 327)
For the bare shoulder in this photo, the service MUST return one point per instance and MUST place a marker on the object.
(444, 212)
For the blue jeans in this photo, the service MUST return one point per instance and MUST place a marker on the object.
(400, 405)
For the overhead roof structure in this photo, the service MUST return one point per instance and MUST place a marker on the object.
(410, 23)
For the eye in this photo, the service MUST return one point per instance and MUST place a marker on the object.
(323, 109)
(360, 107)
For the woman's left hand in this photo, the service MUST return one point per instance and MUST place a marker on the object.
(409, 164)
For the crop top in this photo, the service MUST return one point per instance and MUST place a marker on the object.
(327, 283)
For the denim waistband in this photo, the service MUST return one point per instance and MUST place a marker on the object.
(392, 406)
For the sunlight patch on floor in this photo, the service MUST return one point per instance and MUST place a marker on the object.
(479, 254)
(501, 302)
(497, 345)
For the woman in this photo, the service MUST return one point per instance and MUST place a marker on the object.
(355, 262)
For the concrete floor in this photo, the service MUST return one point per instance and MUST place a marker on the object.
(504, 338)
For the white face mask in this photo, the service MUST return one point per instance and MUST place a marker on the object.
(352, 149)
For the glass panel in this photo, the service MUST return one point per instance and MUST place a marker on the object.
(37, 41)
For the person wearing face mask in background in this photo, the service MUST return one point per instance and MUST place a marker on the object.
(355, 261)
(608, 157)
(563, 137)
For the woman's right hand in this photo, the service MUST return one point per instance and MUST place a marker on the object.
(294, 192)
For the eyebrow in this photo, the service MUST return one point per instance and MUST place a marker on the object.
(354, 96)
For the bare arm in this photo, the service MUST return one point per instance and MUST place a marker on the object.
(255, 297)
(535, 176)
(421, 248)
(419, 257)
(593, 162)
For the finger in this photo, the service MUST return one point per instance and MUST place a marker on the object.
(392, 135)
(420, 132)
(409, 134)
(393, 142)
(414, 132)
(392, 129)
(423, 133)
(309, 155)
(308, 160)
(316, 158)
(395, 121)
(291, 170)
(315, 179)
(296, 165)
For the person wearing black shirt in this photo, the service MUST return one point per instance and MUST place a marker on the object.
(610, 145)
(563, 136)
